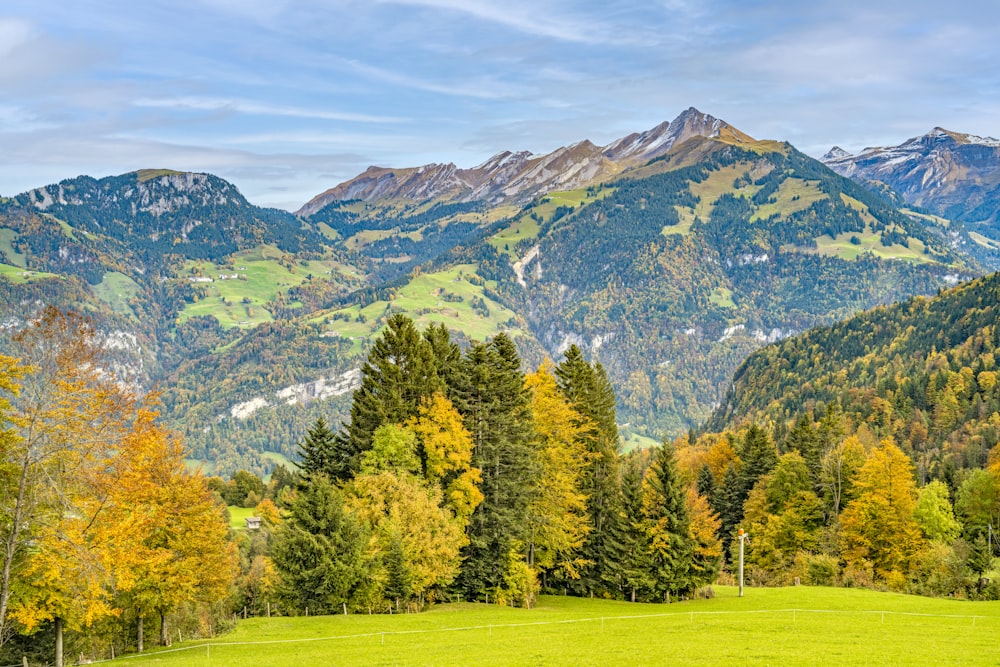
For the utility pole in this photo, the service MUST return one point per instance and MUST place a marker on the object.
(742, 536)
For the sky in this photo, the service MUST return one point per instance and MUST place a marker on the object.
(286, 98)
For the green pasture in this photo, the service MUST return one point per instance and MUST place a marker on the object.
(783, 626)
(7, 238)
(261, 274)
(722, 296)
(984, 241)
(427, 298)
(526, 227)
(116, 290)
(793, 195)
(238, 516)
(708, 191)
(871, 242)
(18, 275)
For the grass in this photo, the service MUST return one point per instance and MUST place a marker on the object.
(18, 275)
(7, 238)
(426, 299)
(116, 290)
(708, 191)
(793, 195)
(526, 227)
(144, 175)
(785, 626)
(240, 302)
(722, 296)
(871, 242)
(637, 441)
(238, 516)
(984, 241)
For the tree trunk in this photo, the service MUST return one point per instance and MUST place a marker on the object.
(164, 637)
(139, 636)
(59, 642)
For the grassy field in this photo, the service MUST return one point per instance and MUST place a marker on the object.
(526, 227)
(787, 626)
(7, 238)
(116, 290)
(17, 275)
(261, 275)
(238, 516)
(443, 296)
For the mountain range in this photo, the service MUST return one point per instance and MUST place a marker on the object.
(669, 255)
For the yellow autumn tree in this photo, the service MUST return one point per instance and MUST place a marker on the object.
(878, 525)
(446, 450)
(69, 417)
(557, 517)
(178, 549)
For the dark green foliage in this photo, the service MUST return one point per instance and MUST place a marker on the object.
(922, 372)
(590, 393)
(636, 564)
(671, 549)
(399, 371)
(758, 456)
(316, 451)
(497, 413)
(804, 439)
(319, 551)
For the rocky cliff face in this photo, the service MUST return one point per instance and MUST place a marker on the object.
(519, 177)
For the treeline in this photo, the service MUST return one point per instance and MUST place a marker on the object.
(457, 475)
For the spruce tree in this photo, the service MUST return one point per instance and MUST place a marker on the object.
(589, 391)
(805, 440)
(399, 372)
(317, 451)
(320, 551)
(498, 416)
(672, 548)
(636, 565)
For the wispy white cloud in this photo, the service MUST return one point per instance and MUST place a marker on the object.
(191, 103)
(534, 19)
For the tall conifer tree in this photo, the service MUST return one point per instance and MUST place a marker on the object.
(399, 371)
(498, 416)
(589, 391)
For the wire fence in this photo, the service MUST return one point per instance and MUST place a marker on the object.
(208, 645)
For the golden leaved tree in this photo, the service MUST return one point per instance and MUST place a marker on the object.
(878, 525)
(557, 517)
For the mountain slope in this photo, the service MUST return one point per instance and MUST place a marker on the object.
(923, 371)
(951, 174)
(671, 278)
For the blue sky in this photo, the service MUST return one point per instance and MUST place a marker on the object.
(288, 98)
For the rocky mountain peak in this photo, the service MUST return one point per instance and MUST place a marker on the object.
(520, 176)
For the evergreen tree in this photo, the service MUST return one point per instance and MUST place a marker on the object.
(805, 440)
(498, 417)
(399, 372)
(320, 550)
(317, 451)
(666, 512)
(635, 565)
(705, 484)
(589, 391)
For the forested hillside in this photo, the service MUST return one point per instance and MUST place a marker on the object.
(885, 466)
(252, 322)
